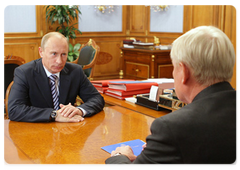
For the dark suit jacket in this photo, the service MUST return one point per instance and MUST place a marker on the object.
(30, 98)
(201, 132)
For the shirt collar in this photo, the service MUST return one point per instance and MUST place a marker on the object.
(49, 74)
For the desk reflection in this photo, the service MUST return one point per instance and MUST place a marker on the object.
(74, 143)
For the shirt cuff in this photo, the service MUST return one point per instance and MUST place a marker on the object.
(84, 111)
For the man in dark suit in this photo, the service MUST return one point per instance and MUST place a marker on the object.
(32, 98)
(204, 131)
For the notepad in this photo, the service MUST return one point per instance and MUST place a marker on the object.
(136, 146)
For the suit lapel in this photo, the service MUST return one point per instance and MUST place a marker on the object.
(42, 83)
(64, 85)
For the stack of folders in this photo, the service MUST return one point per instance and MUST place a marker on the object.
(126, 89)
(102, 85)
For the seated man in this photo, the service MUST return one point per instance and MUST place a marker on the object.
(204, 131)
(45, 89)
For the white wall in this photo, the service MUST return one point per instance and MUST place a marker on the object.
(167, 21)
(93, 21)
(20, 18)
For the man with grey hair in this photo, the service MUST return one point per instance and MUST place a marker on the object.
(204, 131)
(46, 89)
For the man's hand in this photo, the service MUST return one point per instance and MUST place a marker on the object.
(144, 146)
(76, 118)
(69, 113)
(69, 110)
(125, 150)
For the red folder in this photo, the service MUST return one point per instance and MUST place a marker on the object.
(127, 93)
(101, 89)
(104, 83)
(118, 97)
(131, 85)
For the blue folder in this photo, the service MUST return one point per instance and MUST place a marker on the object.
(136, 146)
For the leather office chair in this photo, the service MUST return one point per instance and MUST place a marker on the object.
(10, 63)
(88, 57)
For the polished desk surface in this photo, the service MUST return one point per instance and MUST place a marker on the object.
(73, 143)
(137, 108)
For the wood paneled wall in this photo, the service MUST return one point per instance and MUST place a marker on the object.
(135, 23)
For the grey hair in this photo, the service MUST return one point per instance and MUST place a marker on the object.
(208, 52)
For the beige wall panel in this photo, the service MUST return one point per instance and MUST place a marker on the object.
(135, 22)
(138, 19)
(202, 15)
(112, 68)
(230, 30)
(28, 51)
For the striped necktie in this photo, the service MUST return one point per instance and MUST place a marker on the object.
(54, 91)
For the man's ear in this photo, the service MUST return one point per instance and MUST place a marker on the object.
(185, 73)
(40, 51)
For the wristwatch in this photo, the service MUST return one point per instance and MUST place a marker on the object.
(53, 115)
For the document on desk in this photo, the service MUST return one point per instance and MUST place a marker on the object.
(153, 93)
(136, 146)
(131, 85)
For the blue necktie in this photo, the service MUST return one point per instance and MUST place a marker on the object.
(53, 86)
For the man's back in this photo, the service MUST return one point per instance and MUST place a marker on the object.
(201, 132)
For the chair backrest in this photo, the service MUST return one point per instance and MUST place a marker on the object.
(9, 67)
(11, 57)
(88, 57)
(6, 98)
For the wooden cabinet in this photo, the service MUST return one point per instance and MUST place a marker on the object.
(145, 63)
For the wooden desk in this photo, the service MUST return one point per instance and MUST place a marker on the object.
(73, 143)
(137, 108)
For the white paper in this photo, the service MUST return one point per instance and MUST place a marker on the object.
(160, 80)
(153, 93)
(131, 99)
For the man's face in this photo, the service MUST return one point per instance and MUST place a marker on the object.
(54, 55)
